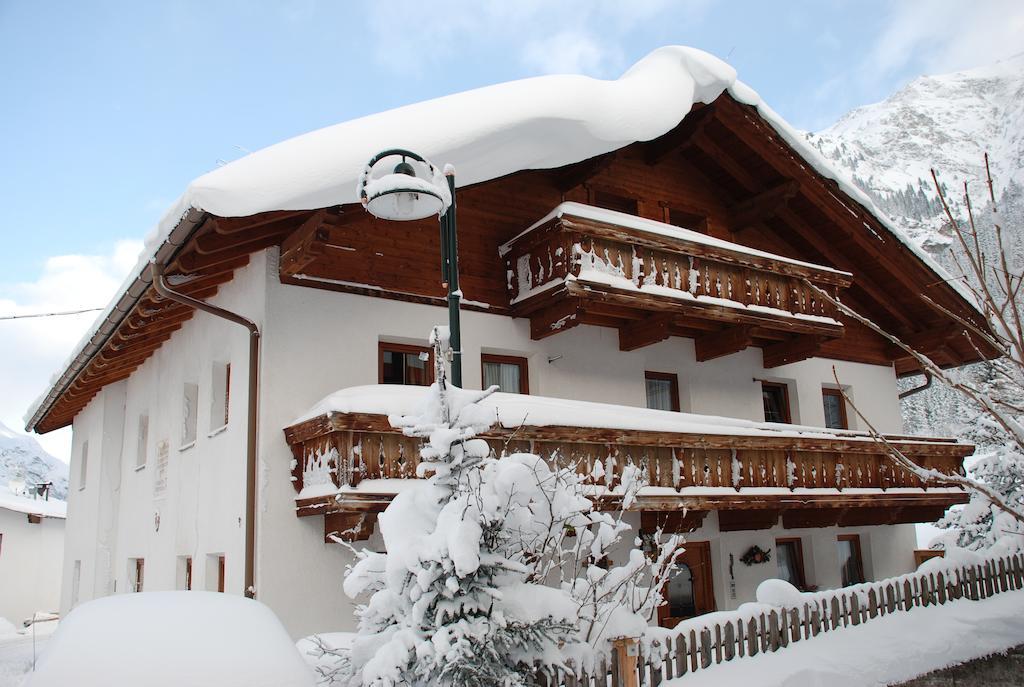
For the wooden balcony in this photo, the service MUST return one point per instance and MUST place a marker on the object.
(350, 465)
(651, 280)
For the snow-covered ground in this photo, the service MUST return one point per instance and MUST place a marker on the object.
(884, 651)
(17, 650)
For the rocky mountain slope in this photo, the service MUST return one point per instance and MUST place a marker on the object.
(945, 122)
(21, 456)
(948, 123)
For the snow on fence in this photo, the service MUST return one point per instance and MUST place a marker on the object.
(708, 640)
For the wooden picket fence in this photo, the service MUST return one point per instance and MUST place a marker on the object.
(732, 636)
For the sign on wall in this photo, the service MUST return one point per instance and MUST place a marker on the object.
(160, 474)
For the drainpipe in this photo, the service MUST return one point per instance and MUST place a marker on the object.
(166, 291)
(918, 389)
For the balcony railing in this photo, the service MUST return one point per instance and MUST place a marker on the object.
(348, 462)
(586, 264)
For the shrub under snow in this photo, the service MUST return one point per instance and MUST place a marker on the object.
(493, 573)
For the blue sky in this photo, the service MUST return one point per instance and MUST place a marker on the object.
(110, 108)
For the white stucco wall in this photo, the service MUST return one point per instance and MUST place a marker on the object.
(201, 510)
(30, 565)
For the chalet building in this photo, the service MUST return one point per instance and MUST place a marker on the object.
(637, 259)
(31, 549)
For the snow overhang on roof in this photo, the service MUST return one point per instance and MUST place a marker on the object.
(538, 123)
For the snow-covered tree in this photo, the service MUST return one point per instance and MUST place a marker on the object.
(495, 571)
(992, 271)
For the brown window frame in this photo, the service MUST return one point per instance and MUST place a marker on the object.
(521, 362)
(785, 398)
(670, 377)
(383, 346)
(799, 549)
(188, 573)
(855, 539)
(842, 406)
(221, 573)
(673, 214)
(140, 575)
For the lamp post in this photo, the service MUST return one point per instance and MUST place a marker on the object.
(415, 189)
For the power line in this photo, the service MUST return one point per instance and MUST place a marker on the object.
(48, 314)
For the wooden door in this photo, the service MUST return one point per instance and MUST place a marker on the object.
(691, 590)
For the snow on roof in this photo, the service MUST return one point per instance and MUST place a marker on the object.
(53, 508)
(170, 639)
(516, 410)
(538, 123)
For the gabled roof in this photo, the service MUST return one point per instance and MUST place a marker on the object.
(539, 123)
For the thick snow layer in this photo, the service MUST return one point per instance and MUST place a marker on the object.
(885, 651)
(53, 508)
(515, 410)
(171, 639)
(486, 133)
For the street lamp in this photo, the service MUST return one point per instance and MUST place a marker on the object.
(415, 189)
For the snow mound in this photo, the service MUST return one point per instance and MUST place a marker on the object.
(165, 639)
(780, 594)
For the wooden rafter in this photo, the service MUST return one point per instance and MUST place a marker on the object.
(725, 342)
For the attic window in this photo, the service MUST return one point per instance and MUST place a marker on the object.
(611, 201)
(220, 395)
(189, 401)
(687, 220)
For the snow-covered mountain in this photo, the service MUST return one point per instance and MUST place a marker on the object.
(22, 456)
(948, 123)
(943, 122)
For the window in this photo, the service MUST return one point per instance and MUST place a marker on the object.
(184, 573)
(190, 399)
(142, 444)
(136, 574)
(662, 391)
(215, 568)
(835, 409)
(400, 364)
(76, 582)
(613, 201)
(776, 402)
(220, 395)
(686, 220)
(83, 465)
(850, 562)
(510, 374)
(680, 593)
(789, 555)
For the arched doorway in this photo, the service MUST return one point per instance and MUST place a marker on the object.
(690, 590)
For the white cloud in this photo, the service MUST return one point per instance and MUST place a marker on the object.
(567, 52)
(569, 36)
(31, 350)
(947, 35)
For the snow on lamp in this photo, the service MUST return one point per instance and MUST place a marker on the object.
(414, 189)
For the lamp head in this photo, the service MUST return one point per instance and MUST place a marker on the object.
(409, 192)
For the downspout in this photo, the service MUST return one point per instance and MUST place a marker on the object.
(166, 291)
(918, 389)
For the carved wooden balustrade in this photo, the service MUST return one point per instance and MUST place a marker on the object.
(811, 479)
(651, 281)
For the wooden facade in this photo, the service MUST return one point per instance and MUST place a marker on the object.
(723, 170)
(811, 481)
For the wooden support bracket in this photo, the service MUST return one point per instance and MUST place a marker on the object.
(725, 342)
(650, 330)
(349, 527)
(792, 351)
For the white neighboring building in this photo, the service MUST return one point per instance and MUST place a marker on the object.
(671, 276)
(31, 555)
